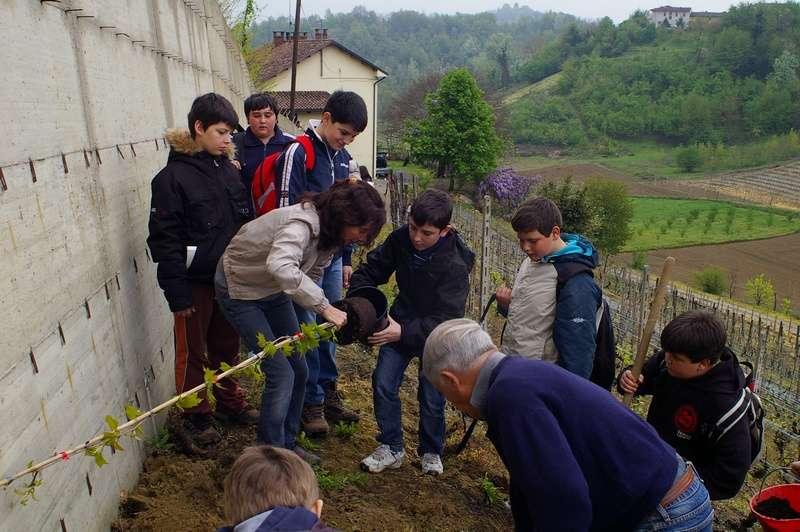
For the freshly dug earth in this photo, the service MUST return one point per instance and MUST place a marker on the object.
(182, 493)
(778, 508)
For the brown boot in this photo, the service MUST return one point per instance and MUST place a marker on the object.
(335, 411)
(313, 418)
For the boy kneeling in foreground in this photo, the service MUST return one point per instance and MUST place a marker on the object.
(269, 488)
(577, 458)
(431, 265)
(694, 380)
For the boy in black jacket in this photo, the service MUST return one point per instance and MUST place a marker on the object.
(431, 265)
(694, 380)
(198, 204)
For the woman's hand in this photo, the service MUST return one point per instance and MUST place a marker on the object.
(335, 316)
(503, 296)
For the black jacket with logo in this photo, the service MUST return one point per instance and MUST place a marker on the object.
(683, 412)
(428, 295)
(197, 200)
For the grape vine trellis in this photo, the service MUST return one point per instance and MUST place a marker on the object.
(309, 337)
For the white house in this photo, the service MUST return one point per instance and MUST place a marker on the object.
(323, 66)
(674, 17)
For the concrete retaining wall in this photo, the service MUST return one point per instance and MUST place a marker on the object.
(87, 89)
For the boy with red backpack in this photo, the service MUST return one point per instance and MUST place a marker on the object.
(313, 164)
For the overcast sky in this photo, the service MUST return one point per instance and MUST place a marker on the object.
(618, 10)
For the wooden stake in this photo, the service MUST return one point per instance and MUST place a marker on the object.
(652, 317)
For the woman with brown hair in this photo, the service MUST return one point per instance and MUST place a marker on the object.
(278, 259)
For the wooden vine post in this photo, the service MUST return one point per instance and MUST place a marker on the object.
(652, 317)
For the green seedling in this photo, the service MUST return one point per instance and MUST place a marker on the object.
(345, 430)
(27, 493)
(162, 440)
(332, 481)
(304, 442)
(491, 493)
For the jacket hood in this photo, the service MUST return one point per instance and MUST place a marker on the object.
(577, 249)
(724, 379)
(280, 518)
(182, 142)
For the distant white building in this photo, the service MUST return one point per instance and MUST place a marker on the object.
(675, 17)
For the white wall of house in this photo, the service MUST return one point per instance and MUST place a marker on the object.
(332, 69)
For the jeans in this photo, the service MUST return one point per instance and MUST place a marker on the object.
(691, 511)
(322, 361)
(285, 377)
(386, 381)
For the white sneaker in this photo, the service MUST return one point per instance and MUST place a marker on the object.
(432, 464)
(382, 458)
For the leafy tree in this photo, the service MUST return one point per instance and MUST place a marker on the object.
(688, 158)
(457, 134)
(499, 48)
(577, 210)
(711, 280)
(613, 209)
(639, 260)
(759, 290)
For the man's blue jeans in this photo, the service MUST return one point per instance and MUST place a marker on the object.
(322, 361)
(691, 511)
(386, 381)
(285, 377)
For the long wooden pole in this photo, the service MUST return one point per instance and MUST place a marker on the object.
(652, 317)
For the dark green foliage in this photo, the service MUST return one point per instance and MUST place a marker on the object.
(711, 280)
(639, 260)
(688, 158)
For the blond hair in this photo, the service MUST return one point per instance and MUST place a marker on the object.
(264, 477)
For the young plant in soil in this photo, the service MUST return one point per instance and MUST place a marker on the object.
(344, 430)
(491, 493)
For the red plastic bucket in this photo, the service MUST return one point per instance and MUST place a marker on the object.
(790, 492)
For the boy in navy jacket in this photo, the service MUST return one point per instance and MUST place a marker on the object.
(694, 380)
(344, 117)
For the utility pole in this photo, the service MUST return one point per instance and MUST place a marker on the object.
(294, 56)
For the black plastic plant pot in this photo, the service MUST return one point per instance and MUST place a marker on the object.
(366, 309)
(379, 303)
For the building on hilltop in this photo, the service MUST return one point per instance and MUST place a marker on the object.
(323, 66)
(668, 16)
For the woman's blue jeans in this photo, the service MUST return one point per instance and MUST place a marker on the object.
(691, 511)
(285, 377)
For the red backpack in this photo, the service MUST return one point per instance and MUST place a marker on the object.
(266, 181)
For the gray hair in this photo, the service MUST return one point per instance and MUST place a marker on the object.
(454, 345)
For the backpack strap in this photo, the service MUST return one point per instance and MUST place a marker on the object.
(308, 147)
(730, 418)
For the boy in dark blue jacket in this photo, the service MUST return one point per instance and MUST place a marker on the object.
(577, 458)
(344, 117)
(262, 137)
(272, 489)
(695, 380)
(431, 265)
(552, 309)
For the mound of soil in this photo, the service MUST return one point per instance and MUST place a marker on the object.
(777, 508)
(361, 319)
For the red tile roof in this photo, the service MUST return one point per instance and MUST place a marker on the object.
(281, 57)
(304, 101)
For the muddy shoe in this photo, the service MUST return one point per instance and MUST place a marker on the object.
(313, 418)
(335, 411)
(382, 458)
(202, 429)
(308, 456)
(248, 416)
(432, 464)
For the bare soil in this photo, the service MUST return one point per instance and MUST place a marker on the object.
(777, 258)
(181, 493)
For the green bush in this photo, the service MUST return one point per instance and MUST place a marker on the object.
(711, 280)
(639, 260)
(688, 158)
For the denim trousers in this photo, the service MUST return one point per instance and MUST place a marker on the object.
(691, 511)
(285, 377)
(386, 381)
(322, 361)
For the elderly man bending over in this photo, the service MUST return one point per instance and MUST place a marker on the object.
(577, 458)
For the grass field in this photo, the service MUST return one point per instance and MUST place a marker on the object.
(663, 223)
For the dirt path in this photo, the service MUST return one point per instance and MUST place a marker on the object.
(178, 493)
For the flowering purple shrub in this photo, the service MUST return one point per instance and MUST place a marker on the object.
(508, 188)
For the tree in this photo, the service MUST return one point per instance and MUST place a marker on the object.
(688, 158)
(457, 134)
(614, 211)
(577, 212)
(499, 48)
(760, 290)
(711, 280)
